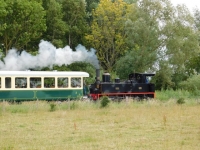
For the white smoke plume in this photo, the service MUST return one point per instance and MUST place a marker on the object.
(48, 55)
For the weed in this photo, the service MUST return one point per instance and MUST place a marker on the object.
(180, 101)
(73, 105)
(104, 101)
(52, 106)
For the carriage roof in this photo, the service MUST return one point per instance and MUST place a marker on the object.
(45, 73)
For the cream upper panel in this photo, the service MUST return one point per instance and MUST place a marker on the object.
(41, 79)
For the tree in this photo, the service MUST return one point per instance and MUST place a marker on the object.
(130, 1)
(84, 66)
(22, 22)
(192, 84)
(76, 66)
(107, 32)
(197, 20)
(181, 42)
(193, 65)
(75, 19)
(3, 14)
(157, 32)
(132, 62)
(56, 27)
(90, 6)
(143, 37)
(163, 77)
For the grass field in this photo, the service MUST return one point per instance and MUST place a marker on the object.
(83, 125)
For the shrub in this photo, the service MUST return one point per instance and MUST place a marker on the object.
(180, 101)
(165, 95)
(52, 106)
(104, 101)
(192, 84)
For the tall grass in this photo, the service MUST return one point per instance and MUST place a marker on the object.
(44, 106)
(73, 125)
(158, 123)
(166, 95)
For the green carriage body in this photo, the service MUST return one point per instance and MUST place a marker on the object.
(12, 89)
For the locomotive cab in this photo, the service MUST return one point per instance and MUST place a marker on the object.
(140, 77)
(137, 85)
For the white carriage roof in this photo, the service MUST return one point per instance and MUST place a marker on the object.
(45, 73)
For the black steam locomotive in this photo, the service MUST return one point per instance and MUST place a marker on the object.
(137, 85)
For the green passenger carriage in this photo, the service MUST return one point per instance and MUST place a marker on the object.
(41, 85)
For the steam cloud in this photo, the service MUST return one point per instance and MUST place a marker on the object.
(48, 56)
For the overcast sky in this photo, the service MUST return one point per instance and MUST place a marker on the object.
(191, 4)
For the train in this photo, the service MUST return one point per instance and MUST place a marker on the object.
(69, 85)
(41, 85)
(137, 85)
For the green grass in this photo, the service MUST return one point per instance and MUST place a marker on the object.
(85, 125)
(171, 94)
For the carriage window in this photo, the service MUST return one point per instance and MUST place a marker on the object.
(75, 82)
(62, 82)
(20, 82)
(35, 82)
(8, 82)
(49, 82)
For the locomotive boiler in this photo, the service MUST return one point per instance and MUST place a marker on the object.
(136, 85)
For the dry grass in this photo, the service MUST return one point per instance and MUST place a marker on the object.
(129, 125)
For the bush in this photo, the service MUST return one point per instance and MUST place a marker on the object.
(104, 101)
(192, 84)
(180, 101)
(165, 95)
(52, 107)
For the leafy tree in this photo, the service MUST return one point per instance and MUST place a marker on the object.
(107, 32)
(75, 19)
(130, 1)
(90, 6)
(3, 14)
(131, 62)
(83, 66)
(193, 65)
(22, 22)
(158, 32)
(191, 84)
(163, 77)
(197, 20)
(143, 37)
(56, 27)
(181, 42)
(76, 66)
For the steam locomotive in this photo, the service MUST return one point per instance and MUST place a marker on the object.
(137, 85)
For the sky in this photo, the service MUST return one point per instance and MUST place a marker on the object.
(191, 4)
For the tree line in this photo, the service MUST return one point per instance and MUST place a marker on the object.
(128, 35)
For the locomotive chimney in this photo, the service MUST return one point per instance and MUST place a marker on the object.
(97, 74)
(97, 78)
